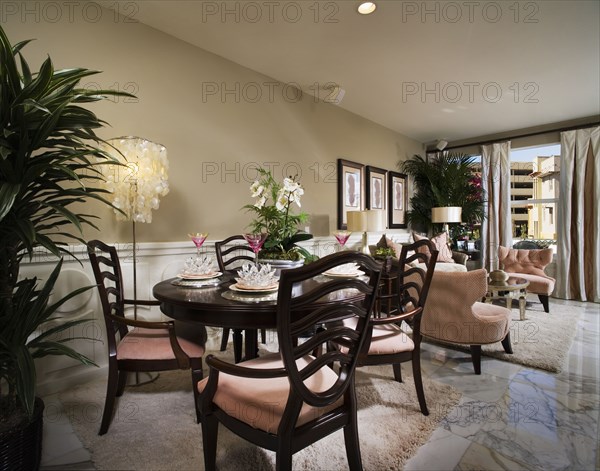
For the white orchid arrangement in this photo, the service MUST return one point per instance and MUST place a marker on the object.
(273, 215)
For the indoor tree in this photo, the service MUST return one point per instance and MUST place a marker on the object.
(443, 179)
(49, 166)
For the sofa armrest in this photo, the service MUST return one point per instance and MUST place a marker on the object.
(460, 257)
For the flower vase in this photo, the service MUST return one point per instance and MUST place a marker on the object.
(279, 265)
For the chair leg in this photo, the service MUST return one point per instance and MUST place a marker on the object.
(544, 301)
(197, 376)
(122, 382)
(111, 393)
(263, 336)
(237, 345)
(397, 371)
(210, 430)
(224, 339)
(416, 365)
(352, 445)
(283, 460)
(506, 343)
(476, 358)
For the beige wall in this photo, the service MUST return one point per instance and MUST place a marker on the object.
(212, 141)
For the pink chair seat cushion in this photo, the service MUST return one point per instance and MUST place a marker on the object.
(260, 402)
(489, 324)
(154, 344)
(537, 284)
(387, 339)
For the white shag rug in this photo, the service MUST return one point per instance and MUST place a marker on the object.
(154, 426)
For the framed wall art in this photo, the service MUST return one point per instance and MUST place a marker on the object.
(375, 187)
(350, 190)
(397, 200)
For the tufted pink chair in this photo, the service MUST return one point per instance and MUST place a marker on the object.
(453, 313)
(529, 264)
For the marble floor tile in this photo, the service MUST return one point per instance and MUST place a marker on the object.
(443, 451)
(483, 387)
(478, 457)
(509, 418)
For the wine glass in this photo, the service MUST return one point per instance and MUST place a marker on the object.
(256, 241)
(342, 237)
(198, 239)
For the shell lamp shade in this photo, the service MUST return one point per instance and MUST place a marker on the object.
(137, 187)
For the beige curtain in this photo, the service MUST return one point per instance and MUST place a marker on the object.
(578, 238)
(496, 227)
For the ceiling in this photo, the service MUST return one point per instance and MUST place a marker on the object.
(430, 70)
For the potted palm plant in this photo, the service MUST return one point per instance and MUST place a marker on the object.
(444, 179)
(49, 162)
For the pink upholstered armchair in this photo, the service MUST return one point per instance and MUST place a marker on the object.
(529, 264)
(454, 314)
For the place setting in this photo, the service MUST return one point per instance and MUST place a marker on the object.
(347, 270)
(254, 283)
(199, 271)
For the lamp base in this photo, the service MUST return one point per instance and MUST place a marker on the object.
(364, 248)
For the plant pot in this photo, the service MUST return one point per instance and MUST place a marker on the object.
(21, 445)
(279, 265)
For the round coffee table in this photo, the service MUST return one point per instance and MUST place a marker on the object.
(507, 290)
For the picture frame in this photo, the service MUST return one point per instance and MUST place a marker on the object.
(471, 246)
(376, 189)
(351, 192)
(461, 244)
(397, 200)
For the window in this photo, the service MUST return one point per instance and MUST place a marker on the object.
(534, 180)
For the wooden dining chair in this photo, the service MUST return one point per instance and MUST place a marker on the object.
(295, 397)
(148, 346)
(231, 254)
(389, 342)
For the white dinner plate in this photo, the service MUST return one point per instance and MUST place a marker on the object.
(204, 276)
(267, 289)
(343, 275)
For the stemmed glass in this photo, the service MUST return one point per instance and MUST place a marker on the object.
(342, 237)
(198, 239)
(256, 241)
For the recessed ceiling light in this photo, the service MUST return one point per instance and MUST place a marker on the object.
(366, 8)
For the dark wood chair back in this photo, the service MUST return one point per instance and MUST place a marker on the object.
(295, 318)
(406, 301)
(231, 253)
(107, 272)
(158, 336)
(309, 399)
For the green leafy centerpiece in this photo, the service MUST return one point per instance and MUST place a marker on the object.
(273, 210)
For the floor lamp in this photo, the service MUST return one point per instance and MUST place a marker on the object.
(137, 185)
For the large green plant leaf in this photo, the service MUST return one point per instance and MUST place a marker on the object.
(442, 180)
(50, 161)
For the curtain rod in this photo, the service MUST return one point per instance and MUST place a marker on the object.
(536, 133)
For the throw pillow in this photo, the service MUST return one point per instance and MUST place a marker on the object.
(386, 242)
(441, 244)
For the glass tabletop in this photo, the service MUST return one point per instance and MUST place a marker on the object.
(512, 283)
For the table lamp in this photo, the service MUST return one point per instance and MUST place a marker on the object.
(446, 214)
(365, 221)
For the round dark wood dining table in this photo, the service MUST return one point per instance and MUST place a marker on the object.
(208, 306)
